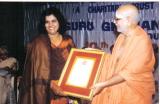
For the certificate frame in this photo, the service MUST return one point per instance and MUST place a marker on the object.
(81, 61)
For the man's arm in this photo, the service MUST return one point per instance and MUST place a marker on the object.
(112, 81)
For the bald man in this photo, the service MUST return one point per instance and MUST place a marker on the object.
(128, 77)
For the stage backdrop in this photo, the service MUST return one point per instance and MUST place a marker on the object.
(92, 22)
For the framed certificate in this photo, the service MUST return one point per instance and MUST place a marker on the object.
(80, 72)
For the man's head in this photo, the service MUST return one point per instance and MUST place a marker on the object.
(127, 16)
(3, 53)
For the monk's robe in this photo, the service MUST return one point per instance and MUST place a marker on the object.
(133, 59)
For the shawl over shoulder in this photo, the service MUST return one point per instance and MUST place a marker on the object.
(36, 72)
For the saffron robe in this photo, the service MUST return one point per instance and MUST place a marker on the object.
(133, 59)
(40, 64)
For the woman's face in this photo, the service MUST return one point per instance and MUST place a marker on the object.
(51, 24)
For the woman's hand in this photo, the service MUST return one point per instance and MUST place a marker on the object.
(56, 89)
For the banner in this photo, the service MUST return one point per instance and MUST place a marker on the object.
(91, 23)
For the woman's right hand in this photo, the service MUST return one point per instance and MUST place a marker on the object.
(56, 89)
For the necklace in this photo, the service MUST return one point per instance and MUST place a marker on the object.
(56, 40)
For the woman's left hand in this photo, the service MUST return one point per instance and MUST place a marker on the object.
(56, 89)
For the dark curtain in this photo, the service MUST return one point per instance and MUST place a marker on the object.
(11, 29)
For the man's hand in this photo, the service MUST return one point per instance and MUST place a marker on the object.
(9, 62)
(112, 81)
(97, 88)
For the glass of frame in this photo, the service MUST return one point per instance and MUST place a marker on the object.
(80, 72)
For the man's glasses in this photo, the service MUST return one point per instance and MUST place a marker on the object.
(117, 19)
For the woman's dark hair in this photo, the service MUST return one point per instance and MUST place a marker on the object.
(58, 15)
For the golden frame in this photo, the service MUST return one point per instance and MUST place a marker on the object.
(80, 72)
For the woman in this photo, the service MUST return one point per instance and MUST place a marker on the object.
(45, 59)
